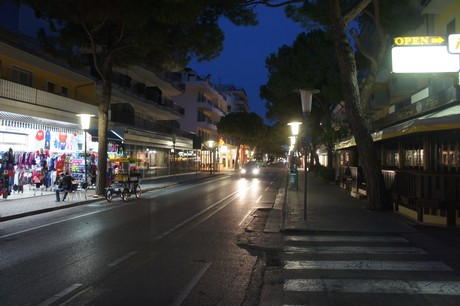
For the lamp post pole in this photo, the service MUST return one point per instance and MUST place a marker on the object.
(306, 99)
(174, 156)
(85, 122)
(211, 155)
(305, 114)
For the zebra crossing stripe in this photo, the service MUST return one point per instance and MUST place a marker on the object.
(367, 265)
(345, 239)
(353, 250)
(373, 286)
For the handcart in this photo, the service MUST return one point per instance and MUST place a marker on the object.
(124, 184)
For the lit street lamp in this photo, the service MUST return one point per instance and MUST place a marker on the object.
(294, 181)
(295, 126)
(85, 122)
(295, 131)
(306, 99)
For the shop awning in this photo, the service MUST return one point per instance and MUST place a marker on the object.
(111, 135)
(445, 119)
(441, 120)
(18, 120)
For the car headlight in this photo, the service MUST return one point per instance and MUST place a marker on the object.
(243, 171)
(255, 171)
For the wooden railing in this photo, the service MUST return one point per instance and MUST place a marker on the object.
(422, 192)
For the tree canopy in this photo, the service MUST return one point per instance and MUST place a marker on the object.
(160, 34)
(243, 128)
(308, 62)
(340, 18)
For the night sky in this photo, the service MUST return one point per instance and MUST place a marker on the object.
(242, 62)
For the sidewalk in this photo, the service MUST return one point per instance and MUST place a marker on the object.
(32, 202)
(329, 208)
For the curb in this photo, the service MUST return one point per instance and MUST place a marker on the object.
(87, 201)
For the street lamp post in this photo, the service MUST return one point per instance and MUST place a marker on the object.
(306, 99)
(174, 155)
(211, 153)
(85, 122)
(293, 167)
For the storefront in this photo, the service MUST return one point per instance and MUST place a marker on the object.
(158, 153)
(34, 151)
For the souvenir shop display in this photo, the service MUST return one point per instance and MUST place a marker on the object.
(40, 152)
(6, 171)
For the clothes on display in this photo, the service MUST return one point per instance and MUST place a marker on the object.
(38, 169)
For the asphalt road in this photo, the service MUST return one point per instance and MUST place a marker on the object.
(175, 246)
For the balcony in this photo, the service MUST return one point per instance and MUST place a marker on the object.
(418, 104)
(161, 108)
(207, 123)
(210, 108)
(41, 102)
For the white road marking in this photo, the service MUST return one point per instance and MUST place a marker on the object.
(258, 199)
(247, 215)
(353, 250)
(121, 259)
(79, 216)
(372, 286)
(57, 222)
(59, 295)
(346, 239)
(367, 265)
(166, 233)
(179, 299)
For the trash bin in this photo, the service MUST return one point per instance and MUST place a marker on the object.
(294, 179)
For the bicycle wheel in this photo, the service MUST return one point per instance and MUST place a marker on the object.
(138, 191)
(109, 194)
(125, 194)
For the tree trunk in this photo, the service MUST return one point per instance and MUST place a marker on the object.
(103, 112)
(375, 186)
(236, 167)
(330, 157)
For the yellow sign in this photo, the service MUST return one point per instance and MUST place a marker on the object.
(418, 40)
(454, 43)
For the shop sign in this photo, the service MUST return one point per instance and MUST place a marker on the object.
(454, 43)
(40, 135)
(419, 40)
(424, 59)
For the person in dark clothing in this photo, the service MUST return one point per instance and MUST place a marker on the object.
(65, 184)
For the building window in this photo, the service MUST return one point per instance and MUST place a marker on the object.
(201, 97)
(449, 153)
(64, 91)
(414, 158)
(21, 76)
(50, 87)
(450, 28)
(392, 158)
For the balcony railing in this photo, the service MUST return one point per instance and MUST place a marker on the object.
(407, 110)
(138, 91)
(212, 107)
(18, 92)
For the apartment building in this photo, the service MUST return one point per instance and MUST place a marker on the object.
(43, 94)
(205, 103)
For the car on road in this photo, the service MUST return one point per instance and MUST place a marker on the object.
(250, 169)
